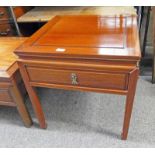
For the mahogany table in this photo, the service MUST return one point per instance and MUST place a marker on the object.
(12, 89)
(86, 53)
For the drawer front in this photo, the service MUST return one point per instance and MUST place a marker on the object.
(78, 78)
(5, 96)
(4, 13)
(6, 29)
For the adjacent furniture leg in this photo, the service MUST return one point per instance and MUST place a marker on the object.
(18, 99)
(33, 97)
(153, 65)
(129, 102)
(146, 30)
(153, 68)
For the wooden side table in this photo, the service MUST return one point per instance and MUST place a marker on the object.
(86, 53)
(12, 88)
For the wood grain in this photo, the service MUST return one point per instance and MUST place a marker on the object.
(7, 46)
(84, 78)
(19, 102)
(34, 98)
(10, 79)
(86, 37)
(129, 101)
(85, 53)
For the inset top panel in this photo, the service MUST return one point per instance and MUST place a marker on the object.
(85, 32)
(88, 36)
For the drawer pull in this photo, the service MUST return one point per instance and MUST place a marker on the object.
(74, 79)
(5, 33)
(1, 14)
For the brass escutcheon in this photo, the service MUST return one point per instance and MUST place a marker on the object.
(74, 79)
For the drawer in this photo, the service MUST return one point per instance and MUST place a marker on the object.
(6, 29)
(4, 13)
(5, 96)
(78, 78)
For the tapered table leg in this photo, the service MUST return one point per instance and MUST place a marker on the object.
(33, 97)
(129, 102)
(18, 99)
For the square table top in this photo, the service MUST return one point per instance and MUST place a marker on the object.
(7, 57)
(89, 36)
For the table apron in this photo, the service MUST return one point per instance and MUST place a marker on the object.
(70, 79)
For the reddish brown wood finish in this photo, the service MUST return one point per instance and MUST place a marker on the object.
(4, 13)
(20, 10)
(6, 29)
(129, 101)
(84, 78)
(11, 91)
(34, 98)
(87, 53)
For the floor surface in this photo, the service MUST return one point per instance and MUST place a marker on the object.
(80, 119)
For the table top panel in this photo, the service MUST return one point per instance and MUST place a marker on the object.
(88, 36)
(7, 57)
(85, 32)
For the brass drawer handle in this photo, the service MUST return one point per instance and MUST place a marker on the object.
(5, 33)
(74, 79)
(1, 13)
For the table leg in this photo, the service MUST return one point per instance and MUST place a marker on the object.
(153, 30)
(146, 29)
(18, 99)
(153, 68)
(33, 97)
(129, 102)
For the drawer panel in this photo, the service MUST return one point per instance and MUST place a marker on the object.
(4, 13)
(5, 96)
(6, 29)
(78, 78)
